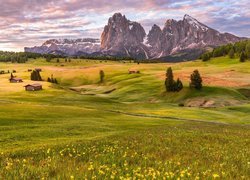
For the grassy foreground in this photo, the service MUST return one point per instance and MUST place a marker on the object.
(127, 127)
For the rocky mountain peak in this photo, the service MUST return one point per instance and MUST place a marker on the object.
(121, 37)
(121, 34)
(195, 23)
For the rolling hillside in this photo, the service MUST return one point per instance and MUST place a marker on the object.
(127, 126)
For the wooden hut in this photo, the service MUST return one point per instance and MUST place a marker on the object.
(33, 87)
(15, 80)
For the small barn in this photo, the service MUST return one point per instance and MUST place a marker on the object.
(16, 80)
(33, 87)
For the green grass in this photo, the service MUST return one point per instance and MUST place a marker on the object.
(137, 130)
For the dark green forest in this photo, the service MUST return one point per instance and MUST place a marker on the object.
(239, 50)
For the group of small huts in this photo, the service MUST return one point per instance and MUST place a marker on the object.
(28, 87)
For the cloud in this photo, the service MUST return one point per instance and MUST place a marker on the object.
(30, 22)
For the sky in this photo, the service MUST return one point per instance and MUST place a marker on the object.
(27, 23)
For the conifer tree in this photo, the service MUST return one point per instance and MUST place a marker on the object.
(49, 80)
(231, 53)
(179, 85)
(102, 75)
(247, 49)
(196, 80)
(169, 82)
(242, 57)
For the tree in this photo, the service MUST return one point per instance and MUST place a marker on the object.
(57, 60)
(247, 49)
(49, 80)
(169, 82)
(196, 80)
(242, 57)
(11, 76)
(231, 53)
(205, 57)
(48, 58)
(35, 76)
(102, 75)
(178, 85)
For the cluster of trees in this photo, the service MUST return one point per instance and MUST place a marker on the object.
(239, 49)
(176, 86)
(52, 80)
(35, 76)
(170, 84)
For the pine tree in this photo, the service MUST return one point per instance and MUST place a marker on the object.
(179, 85)
(169, 82)
(39, 78)
(32, 76)
(247, 49)
(242, 57)
(35, 76)
(196, 80)
(49, 80)
(102, 75)
(231, 53)
(205, 57)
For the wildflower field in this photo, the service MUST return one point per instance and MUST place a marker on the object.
(75, 130)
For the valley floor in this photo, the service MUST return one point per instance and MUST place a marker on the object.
(128, 126)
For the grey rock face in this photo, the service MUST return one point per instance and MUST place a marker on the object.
(176, 37)
(67, 46)
(122, 37)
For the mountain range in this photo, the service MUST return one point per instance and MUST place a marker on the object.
(179, 40)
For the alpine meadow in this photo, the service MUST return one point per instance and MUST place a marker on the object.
(94, 95)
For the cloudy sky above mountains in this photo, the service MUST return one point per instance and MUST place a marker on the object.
(31, 22)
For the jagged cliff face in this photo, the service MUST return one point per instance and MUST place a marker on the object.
(122, 37)
(175, 37)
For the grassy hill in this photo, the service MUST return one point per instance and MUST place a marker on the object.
(127, 126)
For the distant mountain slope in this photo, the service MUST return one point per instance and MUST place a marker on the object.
(67, 46)
(185, 39)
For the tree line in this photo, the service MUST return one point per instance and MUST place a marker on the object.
(239, 50)
(22, 57)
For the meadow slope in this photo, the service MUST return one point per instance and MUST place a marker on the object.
(127, 126)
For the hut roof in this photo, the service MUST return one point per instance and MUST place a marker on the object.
(34, 85)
